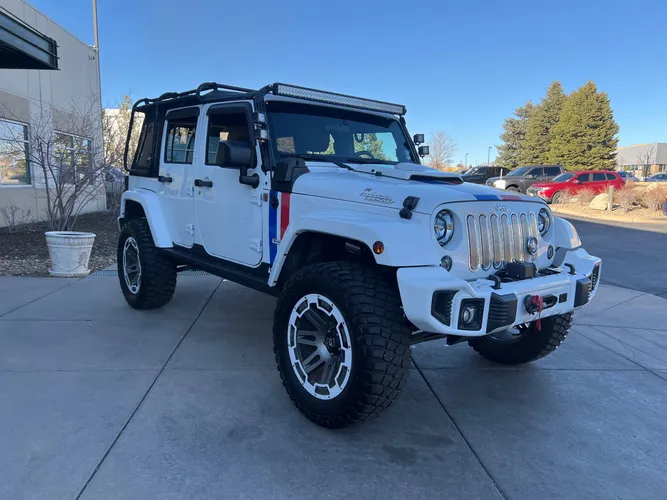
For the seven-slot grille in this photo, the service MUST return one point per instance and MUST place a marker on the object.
(495, 239)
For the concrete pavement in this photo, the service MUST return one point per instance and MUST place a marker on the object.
(100, 401)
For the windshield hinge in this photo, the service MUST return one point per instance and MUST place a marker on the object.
(409, 204)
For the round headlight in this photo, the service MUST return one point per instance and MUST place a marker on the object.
(443, 227)
(543, 221)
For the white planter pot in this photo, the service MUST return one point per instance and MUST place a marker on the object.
(69, 252)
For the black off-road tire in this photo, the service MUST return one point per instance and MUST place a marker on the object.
(158, 272)
(380, 336)
(529, 347)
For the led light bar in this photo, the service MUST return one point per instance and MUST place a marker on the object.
(334, 98)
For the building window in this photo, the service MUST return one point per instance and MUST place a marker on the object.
(14, 169)
(73, 155)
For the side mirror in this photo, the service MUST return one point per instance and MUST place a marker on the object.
(233, 154)
(237, 154)
(423, 151)
(418, 139)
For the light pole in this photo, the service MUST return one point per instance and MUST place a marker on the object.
(488, 157)
(465, 163)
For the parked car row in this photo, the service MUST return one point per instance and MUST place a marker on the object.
(573, 182)
(522, 178)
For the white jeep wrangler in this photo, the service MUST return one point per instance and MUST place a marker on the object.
(320, 199)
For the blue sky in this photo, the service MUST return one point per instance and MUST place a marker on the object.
(458, 66)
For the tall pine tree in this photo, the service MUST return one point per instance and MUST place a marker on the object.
(514, 136)
(537, 147)
(585, 137)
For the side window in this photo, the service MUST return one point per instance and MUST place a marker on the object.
(180, 141)
(536, 172)
(599, 177)
(610, 177)
(552, 171)
(584, 178)
(225, 127)
(142, 158)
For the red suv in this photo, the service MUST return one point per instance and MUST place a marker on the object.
(571, 182)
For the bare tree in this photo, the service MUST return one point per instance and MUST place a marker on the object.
(442, 149)
(645, 159)
(66, 149)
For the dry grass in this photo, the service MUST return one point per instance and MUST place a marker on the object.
(626, 197)
(585, 196)
(654, 198)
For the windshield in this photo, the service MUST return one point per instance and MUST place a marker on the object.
(518, 171)
(563, 178)
(316, 132)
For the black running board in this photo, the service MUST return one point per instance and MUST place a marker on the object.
(252, 277)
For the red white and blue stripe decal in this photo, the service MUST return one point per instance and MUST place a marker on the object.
(497, 197)
(278, 221)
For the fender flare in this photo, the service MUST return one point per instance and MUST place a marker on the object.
(399, 236)
(155, 216)
(565, 234)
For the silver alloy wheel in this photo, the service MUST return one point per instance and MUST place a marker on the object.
(131, 265)
(320, 347)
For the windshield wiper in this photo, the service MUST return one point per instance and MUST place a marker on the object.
(314, 157)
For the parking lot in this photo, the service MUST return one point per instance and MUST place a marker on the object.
(102, 401)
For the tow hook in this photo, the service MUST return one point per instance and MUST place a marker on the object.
(534, 304)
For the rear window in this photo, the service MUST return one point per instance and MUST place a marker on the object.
(143, 157)
(563, 178)
(611, 177)
(551, 171)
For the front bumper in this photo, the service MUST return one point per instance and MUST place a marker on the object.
(433, 299)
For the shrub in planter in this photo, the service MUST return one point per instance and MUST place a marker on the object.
(653, 198)
(585, 196)
(626, 197)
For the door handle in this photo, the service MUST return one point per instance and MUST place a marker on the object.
(164, 178)
(203, 184)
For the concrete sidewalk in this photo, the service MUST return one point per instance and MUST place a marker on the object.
(103, 402)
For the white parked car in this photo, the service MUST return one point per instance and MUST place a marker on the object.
(320, 199)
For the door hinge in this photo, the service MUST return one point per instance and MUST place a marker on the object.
(190, 190)
(190, 228)
(256, 199)
(256, 245)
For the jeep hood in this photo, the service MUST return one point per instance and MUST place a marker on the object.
(388, 186)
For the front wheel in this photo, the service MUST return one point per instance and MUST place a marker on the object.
(341, 343)
(524, 343)
(147, 277)
(513, 188)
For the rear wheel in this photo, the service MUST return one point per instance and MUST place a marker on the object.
(147, 277)
(513, 188)
(524, 343)
(341, 343)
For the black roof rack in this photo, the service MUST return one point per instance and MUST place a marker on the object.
(208, 91)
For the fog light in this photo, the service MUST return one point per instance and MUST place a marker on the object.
(470, 314)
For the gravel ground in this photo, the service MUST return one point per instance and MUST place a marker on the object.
(24, 252)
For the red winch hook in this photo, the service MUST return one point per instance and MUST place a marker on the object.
(537, 303)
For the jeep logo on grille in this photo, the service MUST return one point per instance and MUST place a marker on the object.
(502, 208)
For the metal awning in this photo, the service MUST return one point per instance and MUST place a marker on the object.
(22, 47)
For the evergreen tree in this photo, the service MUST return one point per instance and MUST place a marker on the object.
(371, 143)
(513, 137)
(585, 137)
(539, 132)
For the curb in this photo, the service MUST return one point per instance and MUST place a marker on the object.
(565, 211)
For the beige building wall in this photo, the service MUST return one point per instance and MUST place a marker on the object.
(24, 94)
